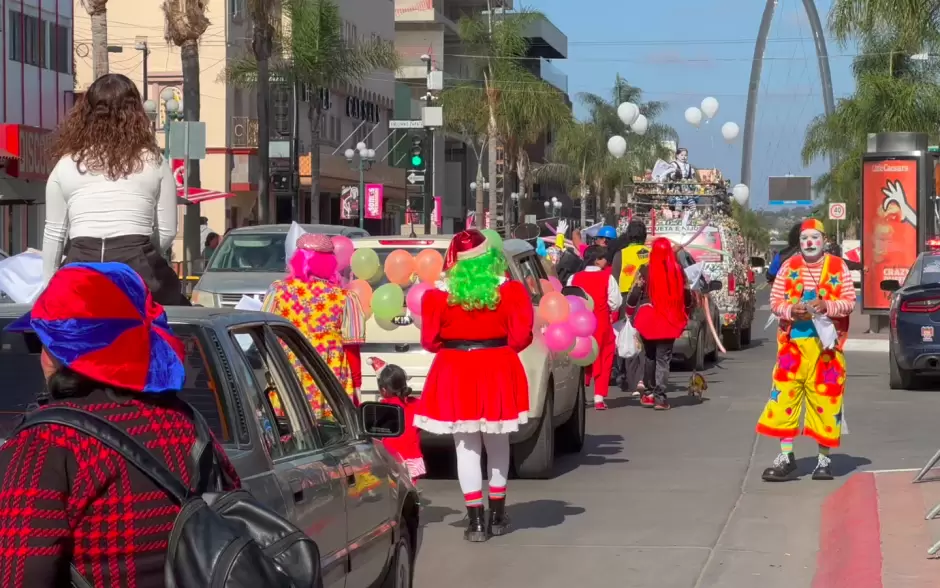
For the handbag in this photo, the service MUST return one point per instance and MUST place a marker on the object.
(652, 326)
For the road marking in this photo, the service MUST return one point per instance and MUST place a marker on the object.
(894, 471)
(764, 307)
(873, 345)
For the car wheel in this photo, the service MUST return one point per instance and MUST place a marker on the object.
(746, 335)
(898, 378)
(732, 339)
(570, 436)
(400, 572)
(535, 456)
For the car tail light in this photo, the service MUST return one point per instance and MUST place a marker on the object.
(406, 242)
(731, 284)
(933, 244)
(921, 305)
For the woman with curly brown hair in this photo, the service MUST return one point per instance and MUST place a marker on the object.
(111, 196)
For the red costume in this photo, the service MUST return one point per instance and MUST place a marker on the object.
(458, 395)
(596, 284)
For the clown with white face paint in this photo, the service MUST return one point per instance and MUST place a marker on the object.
(811, 285)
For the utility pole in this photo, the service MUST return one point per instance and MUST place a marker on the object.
(140, 43)
(429, 137)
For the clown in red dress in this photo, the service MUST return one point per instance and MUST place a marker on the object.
(477, 322)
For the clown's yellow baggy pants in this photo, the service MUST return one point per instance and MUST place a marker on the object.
(806, 373)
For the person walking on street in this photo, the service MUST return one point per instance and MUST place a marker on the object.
(476, 322)
(111, 191)
(659, 302)
(65, 498)
(626, 262)
(597, 283)
(792, 248)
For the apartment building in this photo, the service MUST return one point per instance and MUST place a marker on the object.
(230, 168)
(37, 93)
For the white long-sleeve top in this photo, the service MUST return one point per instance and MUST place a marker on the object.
(80, 203)
(613, 289)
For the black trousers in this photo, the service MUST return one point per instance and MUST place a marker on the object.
(658, 357)
(138, 252)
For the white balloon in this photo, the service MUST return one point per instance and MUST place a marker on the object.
(640, 125)
(730, 131)
(710, 107)
(693, 116)
(740, 193)
(628, 113)
(617, 146)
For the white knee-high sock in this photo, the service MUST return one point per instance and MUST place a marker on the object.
(469, 474)
(497, 458)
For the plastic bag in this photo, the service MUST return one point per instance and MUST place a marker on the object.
(628, 343)
(21, 277)
(290, 243)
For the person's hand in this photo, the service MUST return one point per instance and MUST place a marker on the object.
(639, 281)
(562, 227)
(798, 312)
(819, 306)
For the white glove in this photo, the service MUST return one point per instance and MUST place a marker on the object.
(562, 228)
(894, 194)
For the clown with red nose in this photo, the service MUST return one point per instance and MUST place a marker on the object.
(812, 295)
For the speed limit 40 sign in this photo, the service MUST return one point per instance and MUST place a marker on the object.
(836, 211)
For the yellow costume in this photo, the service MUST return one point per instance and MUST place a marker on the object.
(632, 258)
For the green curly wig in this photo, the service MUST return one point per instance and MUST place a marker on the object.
(473, 284)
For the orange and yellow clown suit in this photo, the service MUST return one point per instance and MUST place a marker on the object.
(805, 372)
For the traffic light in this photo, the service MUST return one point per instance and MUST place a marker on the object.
(417, 154)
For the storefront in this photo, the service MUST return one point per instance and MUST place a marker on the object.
(24, 169)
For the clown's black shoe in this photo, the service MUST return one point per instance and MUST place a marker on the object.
(783, 468)
(499, 521)
(823, 470)
(476, 526)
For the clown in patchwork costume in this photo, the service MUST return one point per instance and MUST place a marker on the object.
(812, 291)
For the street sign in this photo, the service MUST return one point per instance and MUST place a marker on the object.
(836, 211)
(415, 178)
(405, 124)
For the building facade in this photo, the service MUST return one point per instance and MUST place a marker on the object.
(37, 92)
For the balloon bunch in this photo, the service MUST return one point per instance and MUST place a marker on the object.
(569, 326)
(707, 111)
(417, 273)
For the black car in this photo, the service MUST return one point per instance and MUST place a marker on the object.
(914, 318)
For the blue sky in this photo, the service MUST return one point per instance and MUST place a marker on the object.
(684, 50)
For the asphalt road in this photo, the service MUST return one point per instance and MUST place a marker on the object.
(675, 499)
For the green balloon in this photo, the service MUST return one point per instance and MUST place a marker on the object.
(590, 357)
(385, 325)
(364, 264)
(589, 303)
(388, 301)
(494, 239)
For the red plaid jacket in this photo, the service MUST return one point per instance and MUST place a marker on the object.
(65, 498)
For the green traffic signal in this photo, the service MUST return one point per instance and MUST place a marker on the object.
(416, 161)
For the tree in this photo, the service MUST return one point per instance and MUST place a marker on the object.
(914, 24)
(186, 21)
(264, 19)
(578, 158)
(315, 56)
(98, 13)
(468, 119)
(753, 230)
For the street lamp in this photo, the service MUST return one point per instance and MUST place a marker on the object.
(553, 205)
(362, 159)
(174, 111)
(515, 207)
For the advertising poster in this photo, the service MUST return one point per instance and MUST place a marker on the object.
(438, 214)
(889, 226)
(349, 203)
(375, 194)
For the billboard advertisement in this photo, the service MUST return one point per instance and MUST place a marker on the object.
(889, 225)
(790, 191)
(375, 195)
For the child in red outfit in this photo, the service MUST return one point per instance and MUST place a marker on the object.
(393, 387)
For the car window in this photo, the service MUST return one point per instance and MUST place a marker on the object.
(24, 383)
(930, 271)
(282, 420)
(312, 375)
(250, 252)
(913, 277)
(530, 272)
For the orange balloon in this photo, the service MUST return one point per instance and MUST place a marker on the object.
(554, 308)
(428, 265)
(363, 291)
(399, 265)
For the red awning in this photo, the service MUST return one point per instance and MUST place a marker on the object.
(197, 195)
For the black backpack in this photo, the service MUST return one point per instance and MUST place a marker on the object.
(219, 539)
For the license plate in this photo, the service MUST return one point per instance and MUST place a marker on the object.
(926, 333)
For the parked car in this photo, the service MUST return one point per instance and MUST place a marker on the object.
(914, 315)
(556, 386)
(249, 260)
(721, 249)
(696, 346)
(327, 475)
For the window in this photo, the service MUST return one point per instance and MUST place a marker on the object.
(705, 248)
(37, 42)
(312, 374)
(201, 388)
(237, 8)
(33, 41)
(16, 35)
(62, 49)
(248, 252)
(531, 272)
(283, 423)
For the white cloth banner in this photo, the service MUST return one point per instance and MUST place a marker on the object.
(21, 277)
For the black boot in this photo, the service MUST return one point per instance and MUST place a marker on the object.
(476, 527)
(499, 521)
(822, 471)
(782, 469)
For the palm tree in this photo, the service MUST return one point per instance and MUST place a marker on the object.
(186, 21)
(915, 25)
(315, 56)
(98, 13)
(467, 118)
(264, 19)
(893, 93)
(579, 157)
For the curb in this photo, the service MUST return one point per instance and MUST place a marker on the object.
(850, 537)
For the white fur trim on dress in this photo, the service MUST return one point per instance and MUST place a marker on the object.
(480, 426)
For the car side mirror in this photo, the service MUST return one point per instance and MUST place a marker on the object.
(758, 262)
(890, 285)
(714, 285)
(381, 420)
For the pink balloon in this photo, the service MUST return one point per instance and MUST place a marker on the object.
(559, 337)
(582, 323)
(415, 294)
(343, 250)
(576, 303)
(555, 282)
(582, 348)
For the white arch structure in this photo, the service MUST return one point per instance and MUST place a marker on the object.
(757, 65)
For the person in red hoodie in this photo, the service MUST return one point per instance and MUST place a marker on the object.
(598, 283)
(393, 387)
